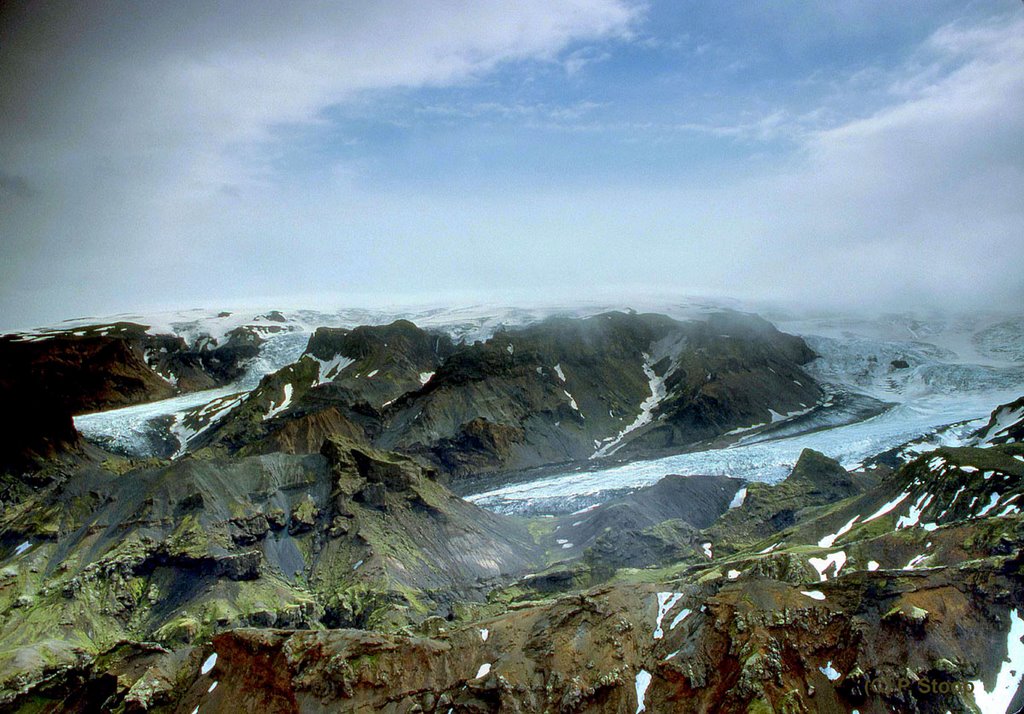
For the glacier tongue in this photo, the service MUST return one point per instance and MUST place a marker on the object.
(769, 461)
(135, 430)
(938, 397)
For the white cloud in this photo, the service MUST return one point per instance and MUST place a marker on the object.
(139, 160)
(213, 83)
(925, 191)
(132, 126)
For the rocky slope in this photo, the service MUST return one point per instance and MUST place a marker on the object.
(347, 537)
(903, 597)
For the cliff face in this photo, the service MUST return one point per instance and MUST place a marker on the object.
(50, 381)
(120, 364)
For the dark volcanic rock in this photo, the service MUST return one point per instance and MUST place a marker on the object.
(815, 481)
(657, 524)
(823, 479)
(559, 391)
(1006, 424)
(90, 373)
(479, 445)
(241, 566)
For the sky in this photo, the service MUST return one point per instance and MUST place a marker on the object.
(191, 154)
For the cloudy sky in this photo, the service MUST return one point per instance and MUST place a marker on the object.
(157, 154)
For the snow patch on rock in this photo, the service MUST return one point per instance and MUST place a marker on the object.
(643, 681)
(998, 699)
(739, 498)
(837, 559)
(828, 540)
(276, 409)
(665, 602)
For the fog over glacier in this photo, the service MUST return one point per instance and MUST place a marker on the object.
(183, 154)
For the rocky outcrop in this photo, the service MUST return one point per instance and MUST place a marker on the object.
(479, 445)
(305, 433)
(815, 481)
(349, 536)
(341, 385)
(1005, 426)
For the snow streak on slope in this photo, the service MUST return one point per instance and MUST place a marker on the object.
(657, 386)
(276, 408)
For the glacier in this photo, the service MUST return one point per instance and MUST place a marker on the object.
(957, 370)
(957, 373)
(134, 430)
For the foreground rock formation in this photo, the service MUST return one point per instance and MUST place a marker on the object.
(307, 554)
(904, 596)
